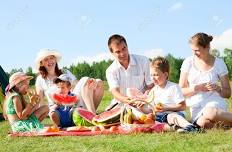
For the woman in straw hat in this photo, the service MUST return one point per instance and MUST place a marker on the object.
(89, 91)
(23, 116)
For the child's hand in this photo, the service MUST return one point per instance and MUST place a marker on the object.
(159, 107)
(33, 97)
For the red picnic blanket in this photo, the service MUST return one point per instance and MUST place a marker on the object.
(90, 131)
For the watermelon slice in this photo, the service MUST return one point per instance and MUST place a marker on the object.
(110, 116)
(64, 99)
(83, 117)
(136, 94)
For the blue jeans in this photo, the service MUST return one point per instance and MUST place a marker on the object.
(162, 116)
(65, 115)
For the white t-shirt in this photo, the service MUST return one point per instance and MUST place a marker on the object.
(48, 86)
(137, 75)
(196, 77)
(170, 94)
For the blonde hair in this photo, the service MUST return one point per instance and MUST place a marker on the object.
(161, 63)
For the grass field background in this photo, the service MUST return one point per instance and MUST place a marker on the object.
(212, 140)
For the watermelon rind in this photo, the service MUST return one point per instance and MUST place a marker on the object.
(79, 120)
(111, 118)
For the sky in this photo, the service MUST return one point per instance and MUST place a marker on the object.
(79, 29)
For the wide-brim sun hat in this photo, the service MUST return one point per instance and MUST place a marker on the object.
(43, 53)
(16, 78)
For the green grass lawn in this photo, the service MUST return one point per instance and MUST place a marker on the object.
(212, 140)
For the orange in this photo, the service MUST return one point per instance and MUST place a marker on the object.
(159, 106)
(54, 129)
(142, 118)
(149, 121)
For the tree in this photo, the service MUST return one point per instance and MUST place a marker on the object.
(228, 60)
(15, 70)
(29, 72)
(96, 70)
(81, 70)
(73, 69)
(99, 69)
(175, 65)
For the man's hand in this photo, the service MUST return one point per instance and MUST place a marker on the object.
(135, 102)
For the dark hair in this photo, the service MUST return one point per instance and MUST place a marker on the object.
(116, 38)
(201, 39)
(56, 81)
(161, 63)
(43, 71)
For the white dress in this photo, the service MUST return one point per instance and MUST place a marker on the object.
(201, 100)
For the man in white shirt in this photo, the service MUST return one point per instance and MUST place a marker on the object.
(127, 71)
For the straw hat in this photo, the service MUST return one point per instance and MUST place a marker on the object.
(17, 78)
(43, 53)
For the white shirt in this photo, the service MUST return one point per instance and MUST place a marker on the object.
(196, 76)
(170, 94)
(48, 86)
(137, 75)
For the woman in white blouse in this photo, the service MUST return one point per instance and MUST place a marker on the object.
(88, 90)
(205, 83)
